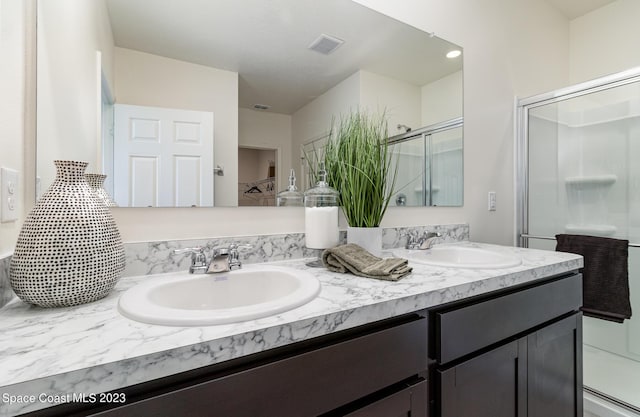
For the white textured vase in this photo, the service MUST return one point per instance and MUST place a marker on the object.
(69, 250)
(96, 182)
(370, 238)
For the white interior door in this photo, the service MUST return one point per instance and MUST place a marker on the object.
(162, 157)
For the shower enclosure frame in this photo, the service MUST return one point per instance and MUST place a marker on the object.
(522, 140)
(426, 133)
(521, 130)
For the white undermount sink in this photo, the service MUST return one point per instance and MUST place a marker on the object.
(459, 257)
(184, 299)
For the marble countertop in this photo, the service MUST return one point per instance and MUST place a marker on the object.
(92, 348)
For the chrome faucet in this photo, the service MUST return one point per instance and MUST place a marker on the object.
(234, 255)
(199, 264)
(428, 239)
(222, 259)
(423, 242)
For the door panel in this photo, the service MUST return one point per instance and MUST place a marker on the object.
(489, 385)
(555, 355)
(163, 157)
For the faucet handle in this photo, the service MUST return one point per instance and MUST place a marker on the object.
(235, 246)
(412, 241)
(198, 258)
(195, 249)
(234, 255)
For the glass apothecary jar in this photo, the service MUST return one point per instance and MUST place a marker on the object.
(321, 214)
(290, 197)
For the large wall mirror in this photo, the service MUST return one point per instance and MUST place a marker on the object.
(212, 102)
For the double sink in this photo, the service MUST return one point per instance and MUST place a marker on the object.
(259, 290)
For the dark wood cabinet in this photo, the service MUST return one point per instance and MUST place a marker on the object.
(528, 363)
(374, 370)
(510, 353)
(409, 402)
(554, 373)
(486, 385)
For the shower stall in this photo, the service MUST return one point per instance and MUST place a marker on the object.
(429, 165)
(578, 159)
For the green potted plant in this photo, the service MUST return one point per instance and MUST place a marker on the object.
(360, 167)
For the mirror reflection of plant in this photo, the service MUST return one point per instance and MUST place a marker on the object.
(360, 167)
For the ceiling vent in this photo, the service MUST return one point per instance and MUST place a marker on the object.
(325, 44)
(261, 107)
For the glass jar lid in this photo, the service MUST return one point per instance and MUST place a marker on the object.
(321, 195)
(291, 196)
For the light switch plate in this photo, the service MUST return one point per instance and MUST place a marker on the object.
(10, 195)
(492, 201)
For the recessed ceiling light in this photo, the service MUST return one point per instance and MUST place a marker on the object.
(261, 107)
(454, 54)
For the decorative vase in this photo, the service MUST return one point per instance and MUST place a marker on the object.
(96, 182)
(370, 238)
(69, 250)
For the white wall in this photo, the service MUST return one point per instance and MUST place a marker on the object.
(314, 120)
(442, 99)
(12, 101)
(151, 80)
(70, 33)
(605, 41)
(398, 100)
(263, 130)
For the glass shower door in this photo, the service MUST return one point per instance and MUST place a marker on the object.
(446, 168)
(410, 187)
(583, 177)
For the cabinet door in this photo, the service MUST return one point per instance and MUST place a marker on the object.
(410, 402)
(555, 369)
(489, 385)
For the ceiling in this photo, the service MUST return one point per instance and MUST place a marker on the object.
(576, 8)
(266, 42)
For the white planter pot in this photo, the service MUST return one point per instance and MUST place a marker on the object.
(369, 238)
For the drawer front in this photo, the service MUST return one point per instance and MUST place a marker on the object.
(307, 384)
(466, 329)
(409, 402)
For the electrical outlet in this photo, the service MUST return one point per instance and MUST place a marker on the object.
(10, 195)
(492, 201)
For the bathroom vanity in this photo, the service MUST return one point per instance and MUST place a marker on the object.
(422, 346)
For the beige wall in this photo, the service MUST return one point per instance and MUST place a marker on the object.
(70, 34)
(263, 130)
(151, 80)
(12, 102)
(398, 100)
(605, 41)
(511, 47)
(248, 160)
(314, 120)
(442, 99)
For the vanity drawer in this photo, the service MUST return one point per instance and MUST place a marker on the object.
(305, 384)
(466, 328)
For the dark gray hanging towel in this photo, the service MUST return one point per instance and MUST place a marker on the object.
(605, 276)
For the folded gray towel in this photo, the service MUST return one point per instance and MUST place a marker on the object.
(353, 258)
